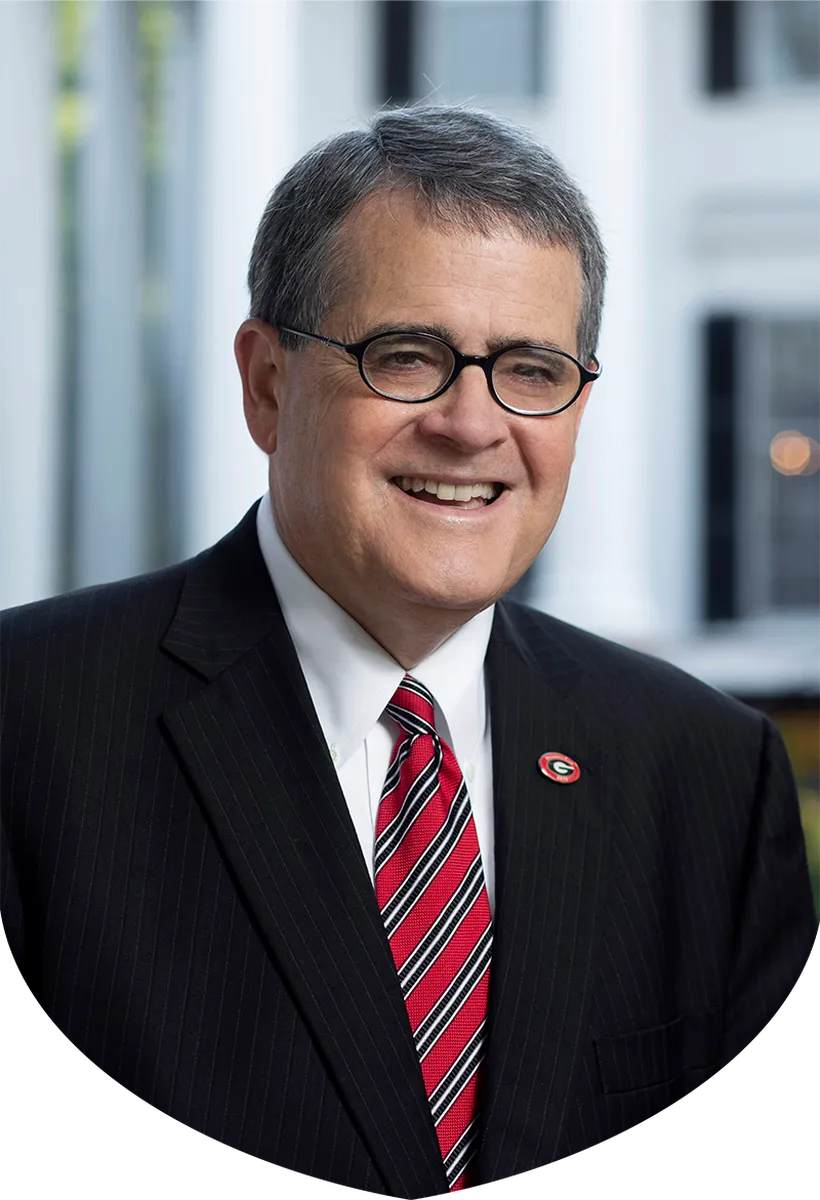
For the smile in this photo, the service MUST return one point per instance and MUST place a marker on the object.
(456, 495)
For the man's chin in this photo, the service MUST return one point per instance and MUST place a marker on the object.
(464, 598)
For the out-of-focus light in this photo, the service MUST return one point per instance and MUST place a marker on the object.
(792, 453)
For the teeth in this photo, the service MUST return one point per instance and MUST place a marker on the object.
(460, 492)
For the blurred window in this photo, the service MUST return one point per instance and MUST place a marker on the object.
(761, 44)
(763, 466)
(461, 50)
(779, 482)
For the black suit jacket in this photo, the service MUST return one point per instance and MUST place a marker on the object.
(186, 897)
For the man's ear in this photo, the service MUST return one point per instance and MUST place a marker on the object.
(260, 359)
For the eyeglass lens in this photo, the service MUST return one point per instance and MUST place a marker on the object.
(414, 367)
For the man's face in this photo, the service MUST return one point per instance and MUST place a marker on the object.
(337, 449)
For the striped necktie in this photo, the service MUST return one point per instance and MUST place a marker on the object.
(433, 900)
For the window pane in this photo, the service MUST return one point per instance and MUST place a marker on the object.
(782, 41)
(796, 363)
(468, 50)
(779, 454)
(795, 511)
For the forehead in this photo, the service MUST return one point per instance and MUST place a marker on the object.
(399, 265)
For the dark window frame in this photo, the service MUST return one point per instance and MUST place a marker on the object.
(721, 59)
(719, 540)
(397, 19)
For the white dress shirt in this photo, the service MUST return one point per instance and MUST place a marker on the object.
(351, 679)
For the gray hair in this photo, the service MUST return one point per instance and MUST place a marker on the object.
(469, 168)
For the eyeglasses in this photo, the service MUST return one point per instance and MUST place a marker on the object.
(532, 381)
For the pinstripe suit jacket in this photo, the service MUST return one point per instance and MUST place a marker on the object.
(185, 895)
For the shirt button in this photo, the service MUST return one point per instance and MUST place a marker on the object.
(334, 753)
(470, 771)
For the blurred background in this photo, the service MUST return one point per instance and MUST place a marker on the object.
(138, 144)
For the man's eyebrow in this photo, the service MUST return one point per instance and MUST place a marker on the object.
(448, 335)
(440, 331)
(521, 339)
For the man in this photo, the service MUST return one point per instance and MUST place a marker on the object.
(318, 844)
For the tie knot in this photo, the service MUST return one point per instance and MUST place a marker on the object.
(412, 707)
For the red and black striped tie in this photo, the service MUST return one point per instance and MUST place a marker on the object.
(433, 900)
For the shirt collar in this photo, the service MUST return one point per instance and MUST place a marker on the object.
(351, 678)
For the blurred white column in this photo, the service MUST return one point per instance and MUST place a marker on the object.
(248, 130)
(29, 307)
(112, 424)
(597, 566)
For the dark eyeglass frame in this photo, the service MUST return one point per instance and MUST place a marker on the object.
(358, 350)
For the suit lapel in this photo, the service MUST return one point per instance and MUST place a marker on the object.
(252, 747)
(550, 844)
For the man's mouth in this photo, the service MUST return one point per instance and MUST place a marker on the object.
(454, 495)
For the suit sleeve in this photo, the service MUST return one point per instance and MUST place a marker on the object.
(775, 923)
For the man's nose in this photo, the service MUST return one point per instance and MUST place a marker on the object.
(466, 414)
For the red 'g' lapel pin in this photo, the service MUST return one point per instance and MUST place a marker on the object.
(560, 768)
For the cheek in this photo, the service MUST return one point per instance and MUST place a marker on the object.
(370, 437)
(550, 459)
(302, 434)
(326, 466)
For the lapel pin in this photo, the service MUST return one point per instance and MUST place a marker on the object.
(560, 768)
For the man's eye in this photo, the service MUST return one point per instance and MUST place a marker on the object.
(404, 354)
(403, 358)
(541, 371)
(537, 374)
(530, 374)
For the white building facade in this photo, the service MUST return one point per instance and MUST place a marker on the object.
(691, 525)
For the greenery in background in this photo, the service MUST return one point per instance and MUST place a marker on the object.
(71, 21)
(72, 118)
(801, 733)
(155, 26)
(810, 809)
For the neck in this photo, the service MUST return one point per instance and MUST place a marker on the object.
(409, 633)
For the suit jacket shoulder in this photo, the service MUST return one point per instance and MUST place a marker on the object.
(84, 623)
(221, 597)
(614, 669)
